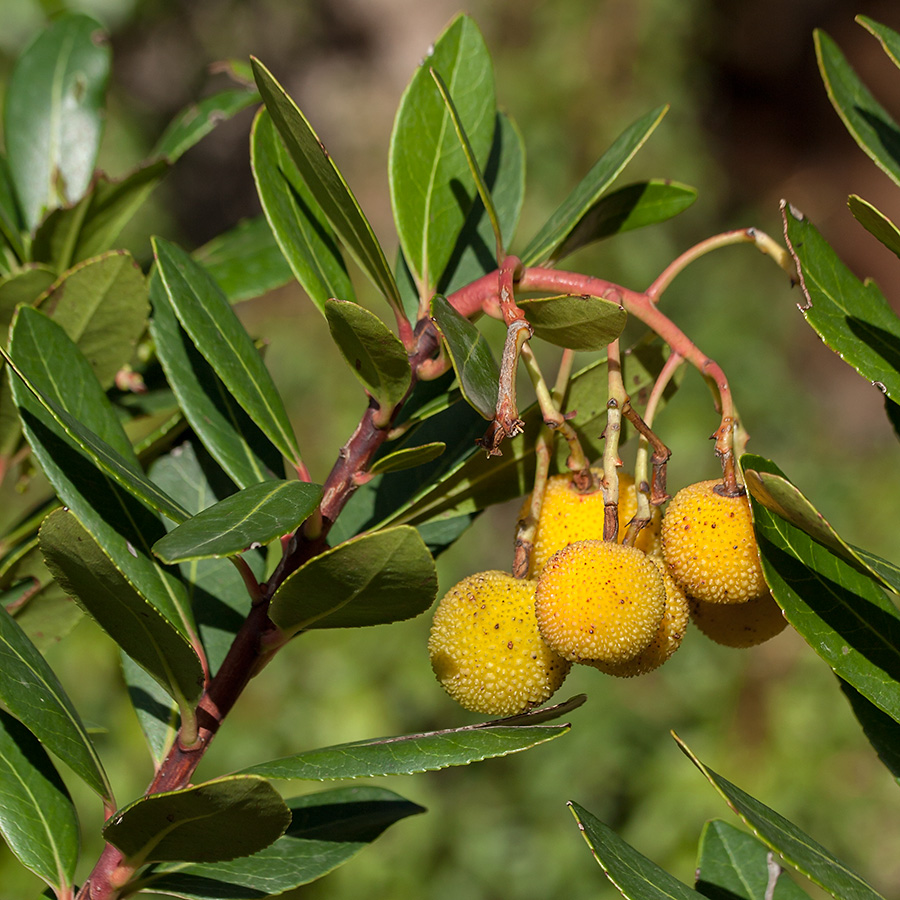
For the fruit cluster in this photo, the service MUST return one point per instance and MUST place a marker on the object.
(500, 645)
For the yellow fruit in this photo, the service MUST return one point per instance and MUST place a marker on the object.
(709, 545)
(667, 639)
(742, 625)
(568, 515)
(599, 601)
(486, 650)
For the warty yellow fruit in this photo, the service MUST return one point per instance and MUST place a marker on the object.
(739, 625)
(709, 545)
(485, 647)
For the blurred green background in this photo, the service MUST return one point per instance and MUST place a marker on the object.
(749, 124)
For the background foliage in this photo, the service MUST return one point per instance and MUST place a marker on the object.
(749, 123)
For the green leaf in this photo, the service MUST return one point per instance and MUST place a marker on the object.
(875, 222)
(474, 254)
(882, 732)
(295, 218)
(427, 167)
(10, 218)
(578, 322)
(219, 820)
(54, 115)
(103, 307)
(23, 287)
(408, 458)
(218, 334)
(769, 486)
(39, 351)
(868, 122)
(327, 185)
(378, 578)
(633, 206)
(890, 39)
(843, 614)
(786, 839)
(471, 355)
(37, 818)
(327, 829)
(852, 318)
(544, 246)
(156, 712)
(196, 121)
(376, 356)
(733, 865)
(102, 589)
(32, 693)
(231, 436)
(410, 753)
(636, 877)
(72, 234)
(257, 515)
(245, 261)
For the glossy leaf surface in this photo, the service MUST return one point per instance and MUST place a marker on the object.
(868, 122)
(410, 753)
(218, 334)
(843, 614)
(32, 693)
(431, 187)
(386, 576)
(635, 876)
(230, 435)
(408, 458)
(375, 355)
(88, 575)
(577, 322)
(219, 820)
(103, 307)
(733, 865)
(254, 516)
(786, 839)
(890, 39)
(634, 206)
(853, 318)
(471, 355)
(326, 184)
(546, 242)
(875, 222)
(295, 218)
(245, 261)
(37, 818)
(53, 115)
(327, 829)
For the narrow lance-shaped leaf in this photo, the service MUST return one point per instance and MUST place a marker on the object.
(327, 185)
(875, 222)
(868, 122)
(890, 39)
(602, 174)
(408, 458)
(54, 115)
(254, 516)
(853, 318)
(31, 691)
(37, 818)
(386, 576)
(10, 218)
(219, 820)
(427, 166)
(786, 839)
(635, 876)
(218, 334)
(296, 220)
(470, 353)
(94, 581)
(376, 356)
(156, 712)
(327, 829)
(882, 732)
(233, 439)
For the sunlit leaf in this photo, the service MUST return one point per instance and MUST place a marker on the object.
(408, 458)
(875, 222)
(577, 322)
(156, 712)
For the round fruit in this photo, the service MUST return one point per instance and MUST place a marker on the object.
(667, 639)
(486, 650)
(709, 545)
(568, 515)
(599, 601)
(744, 625)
